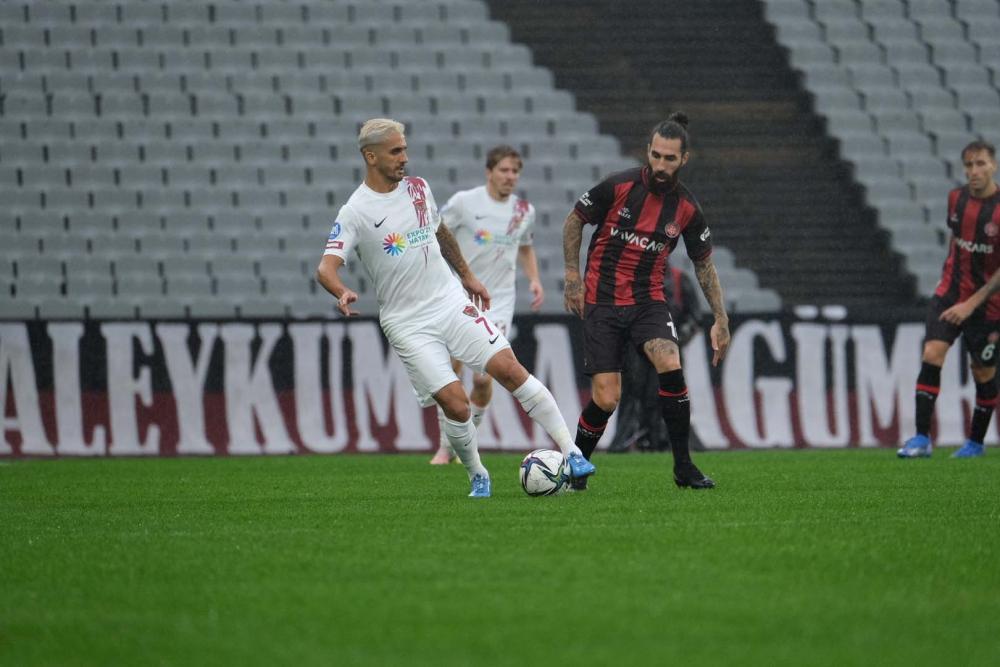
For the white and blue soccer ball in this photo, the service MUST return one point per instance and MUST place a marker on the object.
(544, 472)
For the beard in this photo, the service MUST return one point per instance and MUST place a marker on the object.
(391, 174)
(662, 188)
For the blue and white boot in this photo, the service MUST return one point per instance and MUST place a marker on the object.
(970, 449)
(480, 486)
(917, 447)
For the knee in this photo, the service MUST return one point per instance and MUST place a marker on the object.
(934, 354)
(983, 375)
(456, 408)
(607, 398)
(507, 371)
(482, 383)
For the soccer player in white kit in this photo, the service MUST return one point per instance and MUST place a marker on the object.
(494, 228)
(391, 222)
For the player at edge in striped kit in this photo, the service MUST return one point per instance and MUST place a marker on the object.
(966, 303)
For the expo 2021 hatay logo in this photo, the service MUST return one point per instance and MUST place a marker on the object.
(394, 245)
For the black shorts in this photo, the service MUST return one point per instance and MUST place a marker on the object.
(979, 334)
(606, 329)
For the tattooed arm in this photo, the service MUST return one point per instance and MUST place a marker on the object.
(453, 255)
(709, 280)
(572, 235)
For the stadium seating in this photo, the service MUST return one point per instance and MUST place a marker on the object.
(186, 158)
(904, 86)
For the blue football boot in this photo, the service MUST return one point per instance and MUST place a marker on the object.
(917, 447)
(480, 487)
(579, 467)
(969, 449)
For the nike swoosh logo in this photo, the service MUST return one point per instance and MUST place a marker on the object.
(494, 339)
(379, 223)
(480, 217)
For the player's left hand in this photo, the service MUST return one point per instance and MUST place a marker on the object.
(539, 293)
(959, 312)
(720, 340)
(477, 292)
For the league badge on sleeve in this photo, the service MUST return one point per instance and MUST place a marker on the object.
(331, 242)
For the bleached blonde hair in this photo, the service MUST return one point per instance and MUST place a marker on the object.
(375, 131)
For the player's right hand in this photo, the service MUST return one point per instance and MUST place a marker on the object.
(573, 297)
(477, 292)
(343, 305)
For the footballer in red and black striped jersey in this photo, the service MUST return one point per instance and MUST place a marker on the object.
(966, 303)
(638, 226)
(640, 215)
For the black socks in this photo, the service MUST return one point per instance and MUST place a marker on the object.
(928, 388)
(676, 407)
(590, 428)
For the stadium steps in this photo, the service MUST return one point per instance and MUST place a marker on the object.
(903, 86)
(146, 145)
(770, 180)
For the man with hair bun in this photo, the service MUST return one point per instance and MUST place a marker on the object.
(640, 215)
(966, 302)
(494, 228)
(428, 313)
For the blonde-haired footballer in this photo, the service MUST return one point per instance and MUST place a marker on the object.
(429, 314)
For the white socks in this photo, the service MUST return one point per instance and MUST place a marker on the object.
(477, 418)
(537, 401)
(478, 413)
(462, 437)
(443, 438)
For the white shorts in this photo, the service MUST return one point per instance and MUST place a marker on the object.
(502, 315)
(461, 332)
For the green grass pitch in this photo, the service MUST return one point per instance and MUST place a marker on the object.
(797, 558)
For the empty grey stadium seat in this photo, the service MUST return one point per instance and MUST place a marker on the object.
(210, 143)
(941, 94)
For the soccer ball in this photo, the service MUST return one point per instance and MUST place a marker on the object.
(544, 473)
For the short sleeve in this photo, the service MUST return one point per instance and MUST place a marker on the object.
(594, 204)
(432, 208)
(453, 212)
(952, 221)
(528, 235)
(343, 235)
(697, 236)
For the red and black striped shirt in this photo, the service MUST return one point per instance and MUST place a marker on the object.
(974, 255)
(636, 232)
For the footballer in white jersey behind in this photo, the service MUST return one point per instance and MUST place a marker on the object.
(494, 229)
(391, 224)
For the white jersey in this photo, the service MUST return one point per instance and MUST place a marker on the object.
(394, 235)
(489, 232)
